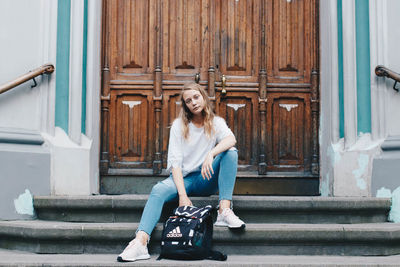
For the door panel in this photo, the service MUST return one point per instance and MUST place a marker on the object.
(289, 123)
(241, 114)
(185, 38)
(132, 44)
(131, 137)
(135, 38)
(289, 49)
(239, 39)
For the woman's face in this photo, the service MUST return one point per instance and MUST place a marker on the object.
(194, 101)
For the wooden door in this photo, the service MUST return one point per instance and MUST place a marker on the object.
(292, 86)
(258, 60)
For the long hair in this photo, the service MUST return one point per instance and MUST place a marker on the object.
(186, 115)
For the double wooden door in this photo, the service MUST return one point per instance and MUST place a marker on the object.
(258, 60)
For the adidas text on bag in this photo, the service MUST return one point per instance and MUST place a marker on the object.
(175, 233)
(187, 235)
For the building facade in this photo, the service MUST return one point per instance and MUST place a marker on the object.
(52, 137)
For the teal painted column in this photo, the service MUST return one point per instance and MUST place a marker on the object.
(340, 68)
(363, 67)
(62, 65)
(84, 64)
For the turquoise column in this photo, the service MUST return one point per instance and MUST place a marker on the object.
(340, 68)
(363, 67)
(62, 65)
(84, 64)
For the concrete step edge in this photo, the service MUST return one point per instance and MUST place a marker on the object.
(48, 230)
(11, 258)
(240, 202)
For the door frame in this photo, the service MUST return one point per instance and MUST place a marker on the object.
(328, 81)
(93, 90)
(329, 94)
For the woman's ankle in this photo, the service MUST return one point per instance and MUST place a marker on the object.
(142, 237)
(224, 204)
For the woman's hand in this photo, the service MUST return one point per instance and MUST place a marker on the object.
(184, 201)
(207, 170)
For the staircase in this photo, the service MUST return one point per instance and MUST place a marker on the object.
(275, 226)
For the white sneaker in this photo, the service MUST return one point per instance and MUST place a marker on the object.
(228, 218)
(133, 252)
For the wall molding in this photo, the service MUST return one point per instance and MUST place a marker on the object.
(20, 136)
(391, 143)
(75, 70)
(93, 82)
(329, 84)
(48, 54)
(378, 55)
(349, 73)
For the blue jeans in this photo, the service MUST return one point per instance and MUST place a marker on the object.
(225, 169)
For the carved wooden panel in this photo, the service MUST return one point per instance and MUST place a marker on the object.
(131, 34)
(241, 114)
(135, 37)
(131, 132)
(288, 120)
(185, 36)
(289, 32)
(239, 26)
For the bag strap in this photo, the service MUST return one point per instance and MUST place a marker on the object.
(214, 255)
(192, 212)
(217, 256)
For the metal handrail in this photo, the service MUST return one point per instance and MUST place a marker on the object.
(382, 71)
(45, 69)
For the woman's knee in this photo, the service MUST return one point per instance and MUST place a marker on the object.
(163, 190)
(231, 155)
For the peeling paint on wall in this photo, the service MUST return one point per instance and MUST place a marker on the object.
(325, 186)
(383, 193)
(24, 203)
(335, 150)
(352, 169)
(363, 160)
(394, 214)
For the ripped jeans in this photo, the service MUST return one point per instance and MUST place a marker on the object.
(223, 179)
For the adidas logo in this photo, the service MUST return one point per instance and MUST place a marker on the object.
(175, 233)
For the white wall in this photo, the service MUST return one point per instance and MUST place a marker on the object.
(21, 51)
(27, 41)
(393, 55)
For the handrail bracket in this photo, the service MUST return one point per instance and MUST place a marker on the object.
(394, 86)
(382, 71)
(34, 83)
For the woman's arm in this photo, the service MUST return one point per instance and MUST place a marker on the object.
(180, 186)
(225, 144)
(175, 157)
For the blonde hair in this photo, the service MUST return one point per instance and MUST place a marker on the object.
(207, 112)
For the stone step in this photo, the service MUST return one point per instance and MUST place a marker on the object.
(257, 239)
(12, 258)
(252, 209)
(140, 181)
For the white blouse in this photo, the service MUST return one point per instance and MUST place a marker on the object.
(190, 154)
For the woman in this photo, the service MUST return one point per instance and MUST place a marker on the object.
(202, 160)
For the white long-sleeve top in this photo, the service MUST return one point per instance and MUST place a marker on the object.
(190, 154)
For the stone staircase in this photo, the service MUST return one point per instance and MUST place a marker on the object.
(275, 226)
